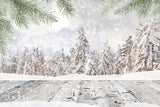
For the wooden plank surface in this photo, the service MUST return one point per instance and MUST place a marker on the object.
(67, 92)
(142, 91)
(102, 93)
(18, 91)
(44, 92)
(91, 92)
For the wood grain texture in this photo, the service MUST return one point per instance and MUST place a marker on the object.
(102, 93)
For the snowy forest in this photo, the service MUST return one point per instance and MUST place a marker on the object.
(140, 52)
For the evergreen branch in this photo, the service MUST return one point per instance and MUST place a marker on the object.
(97, 1)
(48, 1)
(5, 31)
(110, 4)
(130, 6)
(2, 10)
(1, 13)
(27, 11)
(156, 9)
(142, 7)
(65, 7)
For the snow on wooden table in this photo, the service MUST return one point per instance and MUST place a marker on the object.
(101, 93)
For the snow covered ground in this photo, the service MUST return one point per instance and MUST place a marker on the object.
(64, 104)
(149, 75)
(44, 104)
(141, 105)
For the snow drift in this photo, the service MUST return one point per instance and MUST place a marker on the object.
(44, 104)
(65, 104)
(149, 75)
(141, 105)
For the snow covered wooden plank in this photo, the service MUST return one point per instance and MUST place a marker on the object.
(45, 104)
(101, 99)
(112, 95)
(14, 93)
(102, 93)
(44, 92)
(125, 95)
(86, 93)
(9, 85)
(154, 85)
(68, 92)
(2, 82)
(142, 92)
(92, 93)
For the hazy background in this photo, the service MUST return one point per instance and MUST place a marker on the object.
(99, 29)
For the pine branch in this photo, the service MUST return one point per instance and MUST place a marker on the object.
(65, 7)
(5, 31)
(156, 9)
(27, 11)
(127, 7)
(48, 1)
(1, 12)
(109, 5)
(142, 7)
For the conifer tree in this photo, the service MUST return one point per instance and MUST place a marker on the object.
(106, 63)
(39, 62)
(80, 53)
(12, 64)
(92, 64)
(119, 65)
(126, 54)
(3, 64)
(20, 60)
(50, 68)
(26, 60)
(146, 47)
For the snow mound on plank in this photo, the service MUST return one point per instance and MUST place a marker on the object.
(141, 105)
(45, 104)
(149, 75)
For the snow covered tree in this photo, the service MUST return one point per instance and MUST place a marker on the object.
(50, 68)
(12, 64)
(30, 62)
(157, 58)
(146, 47)
(72, 58)
(106, 63)
(119, 65)
(67, 64)
(3, 64)
(92, 64)
(61, 66)
(62, 57)
(26, 62)
(81, 52)
(126, 54)
(20, 60)
(38, 62)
